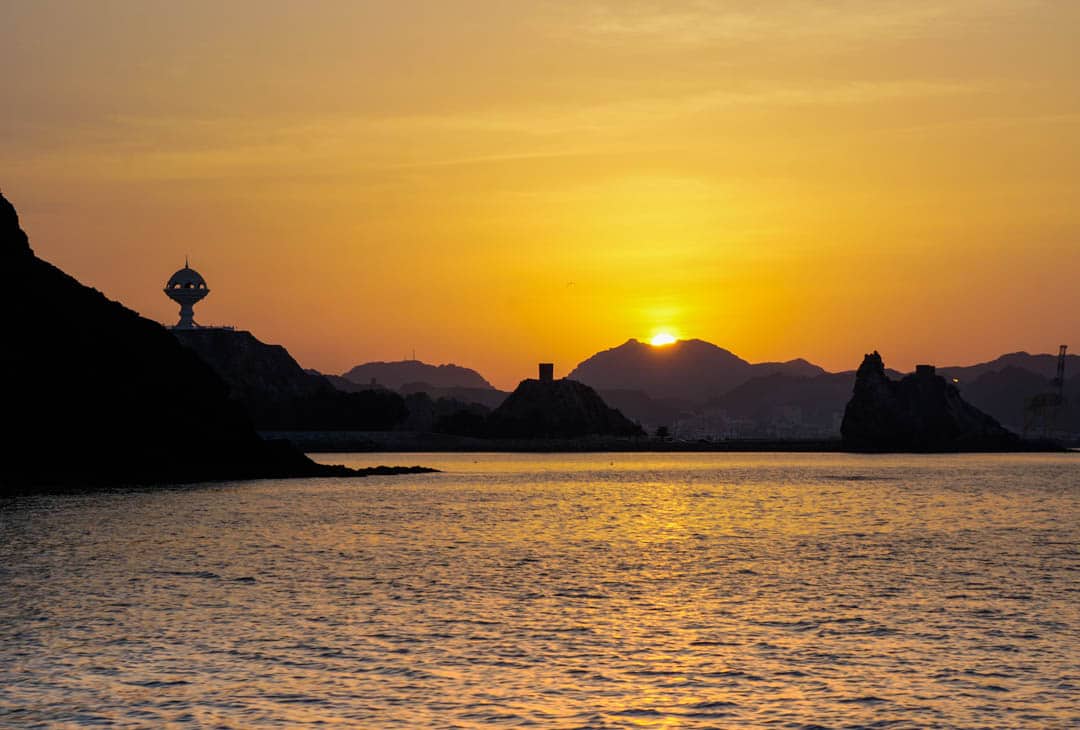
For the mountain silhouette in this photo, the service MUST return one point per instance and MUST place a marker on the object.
(1043, 365)
(394, 375)
(1004, 394)
(145, 409)
(279, 395)
(689, 370)
(650, 412)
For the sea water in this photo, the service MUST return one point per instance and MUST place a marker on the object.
(555, 591)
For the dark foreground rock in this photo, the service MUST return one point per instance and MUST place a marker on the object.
(94, 394)
(921, 412)
(557, 409)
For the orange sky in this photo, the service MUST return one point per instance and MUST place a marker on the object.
(496, 183)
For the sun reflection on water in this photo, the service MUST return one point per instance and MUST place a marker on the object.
(653, 591)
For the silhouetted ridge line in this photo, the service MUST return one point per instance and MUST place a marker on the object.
(143, 409)
(394, 375)
(687, 370)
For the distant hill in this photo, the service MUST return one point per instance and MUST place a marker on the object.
(1002, 386)
(1004, 394)
(279, 395)
(1043, 365)
(650, 412)
(144, 409)
(424, 415)
(690, 370)
(393, 375)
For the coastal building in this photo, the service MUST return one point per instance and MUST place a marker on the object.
(547, 371)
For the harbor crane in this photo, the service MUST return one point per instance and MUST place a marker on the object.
(1044, 413)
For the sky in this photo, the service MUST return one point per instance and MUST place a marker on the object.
(497, 183)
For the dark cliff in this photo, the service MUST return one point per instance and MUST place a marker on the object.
(145, 409)
(921, 412)
(279, 395)
(557, 409)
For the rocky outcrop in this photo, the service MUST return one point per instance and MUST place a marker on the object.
(921, 412)
(279, 395)
(145, 409)
(557, 409)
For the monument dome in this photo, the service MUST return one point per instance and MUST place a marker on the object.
(186, 287)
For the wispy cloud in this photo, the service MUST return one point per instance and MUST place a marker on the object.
(713, 21)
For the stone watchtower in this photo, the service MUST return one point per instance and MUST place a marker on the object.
(186, 287)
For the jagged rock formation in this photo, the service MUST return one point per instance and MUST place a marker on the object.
(394, 375)
(921, 412)
(279, 395)
(557, 409)
(144, 410)
(689, 370)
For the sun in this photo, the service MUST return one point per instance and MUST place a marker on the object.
(661, 339)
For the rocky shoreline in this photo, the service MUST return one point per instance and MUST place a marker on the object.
(25, 488)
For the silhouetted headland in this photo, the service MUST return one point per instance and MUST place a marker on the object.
(921, 412)
(549, 408)
(98, 395)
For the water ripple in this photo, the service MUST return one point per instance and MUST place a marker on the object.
(588, 591)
